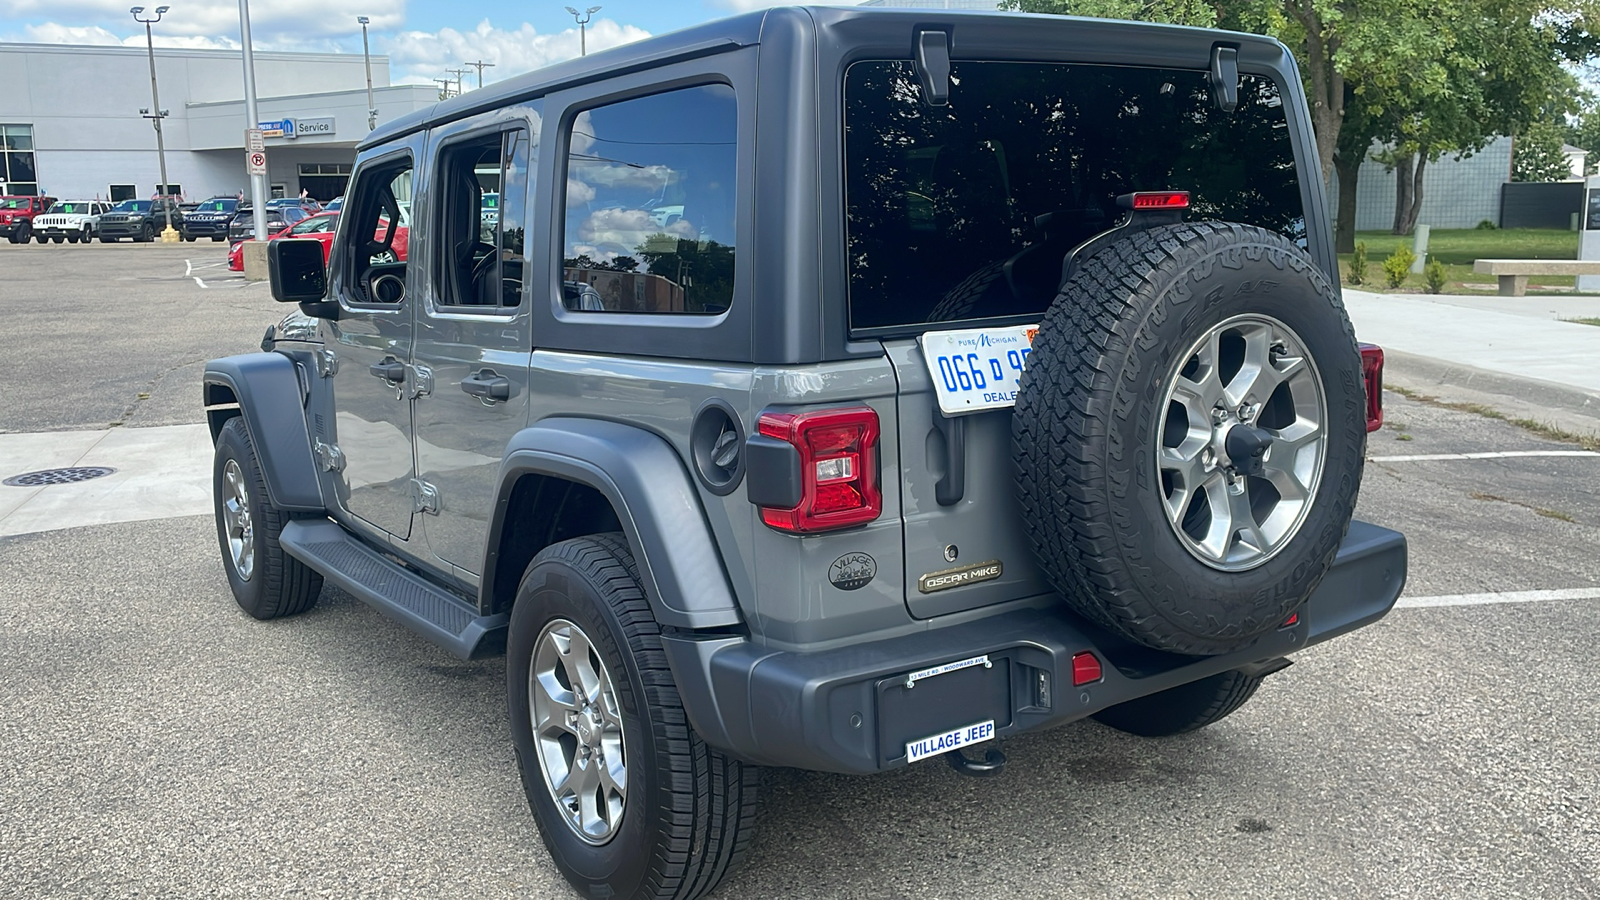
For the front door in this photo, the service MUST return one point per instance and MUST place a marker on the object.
(473, 330)
(374, 381)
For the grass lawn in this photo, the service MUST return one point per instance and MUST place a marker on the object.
(1457, 248)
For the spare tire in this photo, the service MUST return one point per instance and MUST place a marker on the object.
(1189, 435)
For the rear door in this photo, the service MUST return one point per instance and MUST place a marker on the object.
(474, 339)
(958, 220)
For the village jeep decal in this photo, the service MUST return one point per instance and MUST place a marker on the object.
(852, 571)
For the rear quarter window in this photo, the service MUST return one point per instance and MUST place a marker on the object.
(986, 195)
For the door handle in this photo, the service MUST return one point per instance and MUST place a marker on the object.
(485, 383)
(390, 369)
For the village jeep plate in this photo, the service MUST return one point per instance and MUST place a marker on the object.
(953, 739)
(977, 370)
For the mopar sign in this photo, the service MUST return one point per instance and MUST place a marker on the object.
(289, 129)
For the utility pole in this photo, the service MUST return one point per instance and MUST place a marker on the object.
(582, 18)
(154, 114)
(480, 65)
(258, 183)
(457, 73)
(444, 87)
(366, 56)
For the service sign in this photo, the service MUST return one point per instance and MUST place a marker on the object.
(321, 126)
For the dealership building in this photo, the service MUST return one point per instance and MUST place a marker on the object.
(71, 124)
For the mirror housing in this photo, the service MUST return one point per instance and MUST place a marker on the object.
(297, 271)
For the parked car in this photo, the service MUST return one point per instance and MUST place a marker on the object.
(242, 227)
(139, 220)
(789, 496)
(17, 214)
(70, 220)
(333, 205)
(320, 227)
(210, 219)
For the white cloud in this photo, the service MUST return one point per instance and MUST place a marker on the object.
(417, 56)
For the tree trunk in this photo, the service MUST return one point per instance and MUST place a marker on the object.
(1327, 83)
(1402, 193)
(1344, 225)
(1414, 209)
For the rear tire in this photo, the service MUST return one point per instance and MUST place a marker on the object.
(267, 582)
(687, 814)
(1185, 708)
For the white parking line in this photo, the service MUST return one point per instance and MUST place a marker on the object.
(201, 283)
(1499, 454)
(1499, 597)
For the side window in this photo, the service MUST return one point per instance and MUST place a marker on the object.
(481, 224)
(651, 185)
(376, 233)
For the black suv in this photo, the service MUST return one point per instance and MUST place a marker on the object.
(836, 389)
(210, 219)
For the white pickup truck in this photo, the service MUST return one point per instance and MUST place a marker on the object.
(70, 220)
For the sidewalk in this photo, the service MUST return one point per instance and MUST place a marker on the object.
(1512, 353)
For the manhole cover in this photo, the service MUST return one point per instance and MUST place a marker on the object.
(46, 477)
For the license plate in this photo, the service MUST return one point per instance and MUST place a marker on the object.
(975, 733)
(978, 369)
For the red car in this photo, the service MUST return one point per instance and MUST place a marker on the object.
(320, 228)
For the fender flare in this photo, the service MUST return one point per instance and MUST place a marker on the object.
(654, 499)
(268, 391)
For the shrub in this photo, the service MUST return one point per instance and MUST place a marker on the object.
(1433, 274)
(1486, 225)
(1358, 264)
(1398, 265)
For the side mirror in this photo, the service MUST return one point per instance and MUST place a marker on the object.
(297, 271)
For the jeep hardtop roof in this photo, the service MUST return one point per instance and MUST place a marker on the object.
(998, 33)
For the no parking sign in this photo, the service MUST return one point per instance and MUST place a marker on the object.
(256, 162)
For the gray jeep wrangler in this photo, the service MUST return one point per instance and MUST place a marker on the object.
(835, 389)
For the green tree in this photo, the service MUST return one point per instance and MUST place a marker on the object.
(1536, 154)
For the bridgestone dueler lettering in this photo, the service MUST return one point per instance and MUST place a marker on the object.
(1088, 415)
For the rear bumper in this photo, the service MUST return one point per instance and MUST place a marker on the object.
(849, 710)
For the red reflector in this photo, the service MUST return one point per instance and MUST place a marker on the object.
(1372, 374)
(1161, 200)
(838, 468)
(1291, 621)
(1085, 669)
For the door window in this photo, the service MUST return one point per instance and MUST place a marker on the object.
(481, 226)
(376, 239)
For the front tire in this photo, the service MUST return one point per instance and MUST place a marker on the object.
(1185, 708)
(267, 582)
(672, 816)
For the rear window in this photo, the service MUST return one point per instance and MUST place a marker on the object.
(966, 211)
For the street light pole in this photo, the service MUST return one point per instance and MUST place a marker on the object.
(168, 236)
(258, 183)
(366, 55)
(582, 18)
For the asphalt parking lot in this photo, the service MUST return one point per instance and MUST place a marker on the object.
(155, 742)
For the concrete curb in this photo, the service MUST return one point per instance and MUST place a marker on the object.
(1559, 405)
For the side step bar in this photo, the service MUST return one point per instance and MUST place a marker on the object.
(409, 599)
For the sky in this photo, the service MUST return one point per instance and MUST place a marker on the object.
(422, 38)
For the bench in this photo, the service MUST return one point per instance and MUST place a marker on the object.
(1513, 273)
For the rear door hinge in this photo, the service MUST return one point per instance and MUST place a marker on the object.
(329, 456)
(424, 497)
(1224, 77)
(421, 381)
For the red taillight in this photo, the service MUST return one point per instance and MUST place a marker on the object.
(838, 468)
(1161, 200)
(1372, 374)
(1085, 669)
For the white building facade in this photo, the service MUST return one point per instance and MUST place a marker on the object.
(71, 126)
